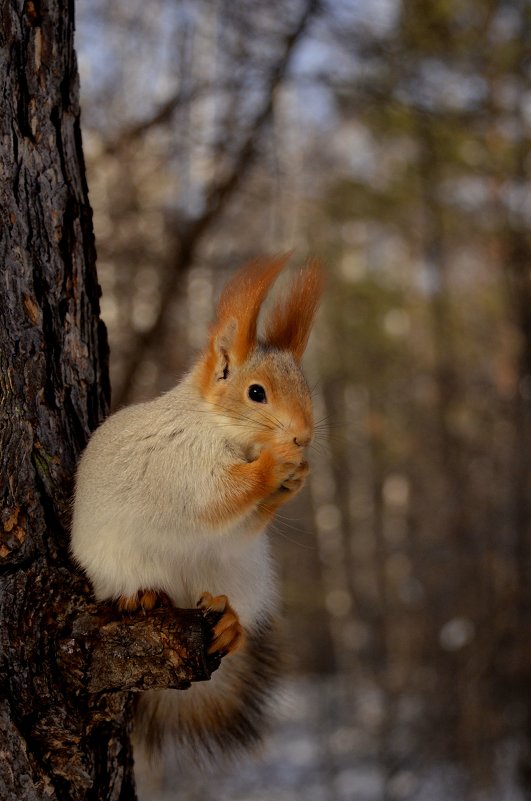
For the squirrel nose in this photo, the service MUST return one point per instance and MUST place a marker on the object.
(301, 441)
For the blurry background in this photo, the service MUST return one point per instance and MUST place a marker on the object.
(391, 139)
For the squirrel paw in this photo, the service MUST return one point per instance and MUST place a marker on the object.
(289, 469)
(143, 599)
(297, 478)
(228, 635)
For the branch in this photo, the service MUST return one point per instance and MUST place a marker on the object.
(160, 115)
(100, 657)
(216, 197)
(104, 650)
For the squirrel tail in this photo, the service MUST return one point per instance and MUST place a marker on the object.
(220, 717)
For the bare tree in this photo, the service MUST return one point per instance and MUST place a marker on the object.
(237, 158)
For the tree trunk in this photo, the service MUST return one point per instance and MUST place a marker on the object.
(67, 669)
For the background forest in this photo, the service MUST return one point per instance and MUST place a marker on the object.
(391, 139)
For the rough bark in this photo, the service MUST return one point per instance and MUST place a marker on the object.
(68, 668)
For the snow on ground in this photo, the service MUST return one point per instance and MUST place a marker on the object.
(326, 746)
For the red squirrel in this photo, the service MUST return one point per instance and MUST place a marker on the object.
(173, 498)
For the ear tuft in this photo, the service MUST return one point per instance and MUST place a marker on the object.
(289, 324)
(239, 305)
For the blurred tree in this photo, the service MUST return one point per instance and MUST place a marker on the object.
(208, 134)
(511, 177)
(395, 144)
(419, 116)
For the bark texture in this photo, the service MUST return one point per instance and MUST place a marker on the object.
(68, 668)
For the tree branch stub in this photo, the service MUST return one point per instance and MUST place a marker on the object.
(104, 650)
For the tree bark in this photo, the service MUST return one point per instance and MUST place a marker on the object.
(68, 668)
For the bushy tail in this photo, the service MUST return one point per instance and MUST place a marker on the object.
(219, 717)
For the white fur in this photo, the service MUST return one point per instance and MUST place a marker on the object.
(143, 484)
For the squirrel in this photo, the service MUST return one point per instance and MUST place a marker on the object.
(173, 496)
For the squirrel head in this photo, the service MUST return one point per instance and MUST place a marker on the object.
(255, 385)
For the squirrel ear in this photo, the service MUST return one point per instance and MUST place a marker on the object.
(220, 347)
(234, 331)
(288, 326)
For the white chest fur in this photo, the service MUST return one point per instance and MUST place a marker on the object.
(136, 524)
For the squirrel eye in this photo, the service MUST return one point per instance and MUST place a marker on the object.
(257, 393)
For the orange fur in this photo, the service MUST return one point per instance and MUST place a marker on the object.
(289, 324)
(267, 508)
(260, 486)
(241, 300)
(234, 329)
(228, 633)
(247, 484)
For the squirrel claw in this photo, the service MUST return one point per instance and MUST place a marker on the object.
(143, 599)
(228, 634)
